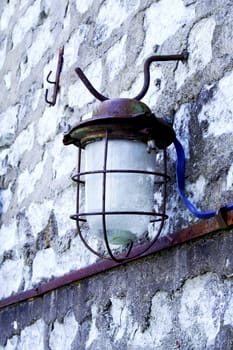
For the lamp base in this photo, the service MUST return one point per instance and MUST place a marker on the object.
(118, 237)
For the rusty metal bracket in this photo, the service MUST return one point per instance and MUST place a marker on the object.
(156, 58)
(221, 217)
(52, 102)
(89, 86)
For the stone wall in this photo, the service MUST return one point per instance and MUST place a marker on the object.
(179, 299)
(110, 40)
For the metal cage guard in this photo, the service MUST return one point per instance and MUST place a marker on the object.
(80, 216)
(122, 118)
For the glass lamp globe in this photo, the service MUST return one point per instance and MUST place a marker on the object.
(124, 192)
(117, 170)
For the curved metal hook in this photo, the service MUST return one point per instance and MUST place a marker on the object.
(183, 57)
(51, 103)
(56, 82)
(89, 86)
(48, 80)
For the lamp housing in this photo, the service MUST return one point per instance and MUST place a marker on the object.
(119, 173)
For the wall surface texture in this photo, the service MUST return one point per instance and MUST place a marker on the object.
(179, 298)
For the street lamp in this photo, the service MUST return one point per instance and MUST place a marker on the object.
(117, 166)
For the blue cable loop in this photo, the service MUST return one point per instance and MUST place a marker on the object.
(180, 178)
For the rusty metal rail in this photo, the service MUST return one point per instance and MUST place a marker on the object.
(222, 221)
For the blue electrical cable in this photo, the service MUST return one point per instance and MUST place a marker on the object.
(180, 178)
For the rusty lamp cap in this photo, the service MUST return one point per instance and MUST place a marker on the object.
(125, 119)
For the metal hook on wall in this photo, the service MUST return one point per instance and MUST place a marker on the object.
(52, 102)
(180, 57)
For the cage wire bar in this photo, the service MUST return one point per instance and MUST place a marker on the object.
(79, 217)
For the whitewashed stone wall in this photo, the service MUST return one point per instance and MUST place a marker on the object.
(109, 40)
